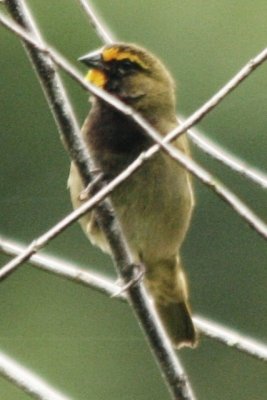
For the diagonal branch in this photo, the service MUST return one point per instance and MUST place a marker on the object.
(232, 200)
(64, 269)
(30, 383)
(104, 285)
(231, 338)
(94, 20)
(226, 158)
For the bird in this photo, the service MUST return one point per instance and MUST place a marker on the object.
(154, 205)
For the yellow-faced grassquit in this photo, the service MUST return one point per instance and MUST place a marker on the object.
(154, 206)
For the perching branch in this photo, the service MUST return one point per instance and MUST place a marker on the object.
(230, 198)
(160, 344)
(104, 285)
(26, 380)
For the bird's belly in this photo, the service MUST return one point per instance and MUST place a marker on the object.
(154, 208)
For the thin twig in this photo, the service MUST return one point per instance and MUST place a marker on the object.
(29, 382)
(96, 23)
(64, 269)
(104, 285)
(160, 345)
(225, 157)
(231, 338)
(230, 198)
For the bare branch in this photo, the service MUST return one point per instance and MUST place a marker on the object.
(96, 23)
(226, 158)
(64, 269)
(231, 338)
(230, 198)
(106, 286)
(26, 380)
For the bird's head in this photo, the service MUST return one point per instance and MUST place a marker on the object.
(134, 75)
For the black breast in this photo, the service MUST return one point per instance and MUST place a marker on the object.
(109, 131)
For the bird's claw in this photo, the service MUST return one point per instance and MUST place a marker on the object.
(136, 279)
(92, 187)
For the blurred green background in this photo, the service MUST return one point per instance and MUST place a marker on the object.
(82, 342)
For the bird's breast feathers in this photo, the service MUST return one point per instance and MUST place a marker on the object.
(154, 207)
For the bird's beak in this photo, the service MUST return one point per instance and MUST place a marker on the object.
(97, 69)
(93, 60)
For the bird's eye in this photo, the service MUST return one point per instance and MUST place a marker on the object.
(126, 65)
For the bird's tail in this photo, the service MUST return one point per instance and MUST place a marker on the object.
(167, 284)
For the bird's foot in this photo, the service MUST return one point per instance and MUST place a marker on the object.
(139, 272)
(98, 179)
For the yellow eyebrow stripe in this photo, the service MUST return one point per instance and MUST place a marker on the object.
(114, 53)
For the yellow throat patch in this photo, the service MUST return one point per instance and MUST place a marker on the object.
(96, 77)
